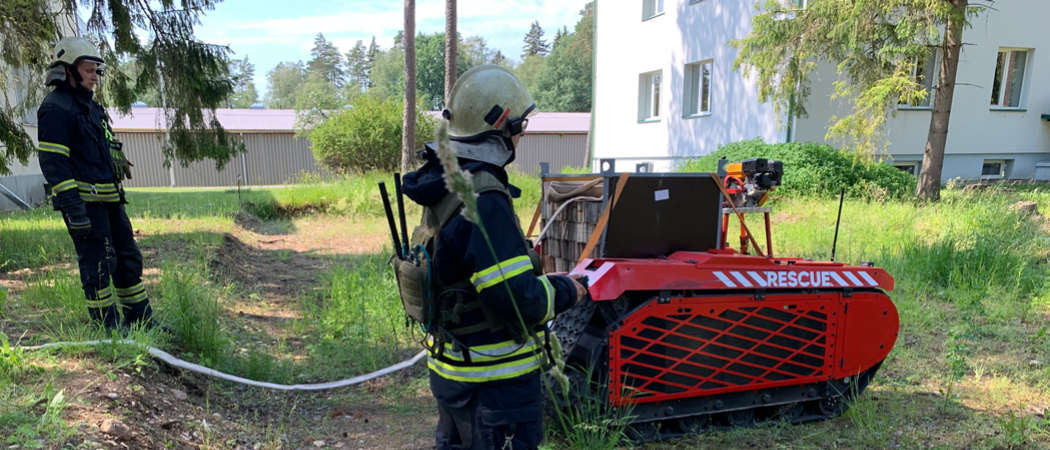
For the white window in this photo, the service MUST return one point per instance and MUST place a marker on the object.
(1008, 83)
(652, 8)
(649, 95)
(698, 88)
(925, 74)
(911, 168)
(993, 169)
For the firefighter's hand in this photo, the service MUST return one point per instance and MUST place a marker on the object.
(75, 213)
(581, 290)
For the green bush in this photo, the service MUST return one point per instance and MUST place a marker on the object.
(815, 170)
(367, 136)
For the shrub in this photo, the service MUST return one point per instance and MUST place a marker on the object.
(367, 136)
(815, 170)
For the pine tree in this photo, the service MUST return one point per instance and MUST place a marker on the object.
(357, 65)
(534, 42)
(373, 54)
(195, 74)
(327, 61)
(499, 59)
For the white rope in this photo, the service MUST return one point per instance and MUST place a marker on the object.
(176, 362)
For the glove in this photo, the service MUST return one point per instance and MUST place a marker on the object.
(121, 165)
(75, 213)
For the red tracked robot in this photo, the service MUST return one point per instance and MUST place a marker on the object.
(689, 334)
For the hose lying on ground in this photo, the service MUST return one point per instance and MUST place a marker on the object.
(176, 362)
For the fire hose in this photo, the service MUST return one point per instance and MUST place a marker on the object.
(171, 360)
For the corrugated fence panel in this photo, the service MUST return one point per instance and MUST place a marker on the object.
(143, 150)
(559, 150)
(278, 158)
(203, 173)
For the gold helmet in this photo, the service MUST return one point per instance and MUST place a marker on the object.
(487, 106)
(68, 53)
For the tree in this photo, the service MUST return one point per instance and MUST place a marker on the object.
(474, 51)
(451, 48)
(313, 102)
(284, 83)
(157, 37)
(365, 137)
(357, 65)
(388, 74)
(327, 61)
(499, 59)
(876, 46)
(534, 42)
(244, 93)
(373, 53)
(529, 70)
(408, 134)
(564, 84)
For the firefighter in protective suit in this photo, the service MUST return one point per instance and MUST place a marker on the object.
(84, 165)
(487, 380)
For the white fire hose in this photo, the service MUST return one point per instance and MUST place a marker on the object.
(176, 362)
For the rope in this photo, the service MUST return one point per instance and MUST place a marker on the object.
(176, 362)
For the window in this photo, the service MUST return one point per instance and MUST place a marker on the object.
(1008, 83)
(698, 89)
(910, 168)
(925, 74)
(649, 95)
(652, 8)
(993, 168)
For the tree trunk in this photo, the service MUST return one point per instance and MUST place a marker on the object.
(929, 187)
(408, 136)
(451, 48)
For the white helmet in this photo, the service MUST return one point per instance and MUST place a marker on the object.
(487, 106)
(68, 53)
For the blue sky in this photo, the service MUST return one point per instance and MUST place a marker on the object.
(272, 31)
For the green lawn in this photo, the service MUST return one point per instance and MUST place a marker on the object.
(971, 368)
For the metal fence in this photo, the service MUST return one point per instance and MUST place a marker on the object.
(281, 157)
(271, 159)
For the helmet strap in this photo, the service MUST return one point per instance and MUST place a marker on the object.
(75, 73)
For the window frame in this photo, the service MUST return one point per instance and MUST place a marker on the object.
(650, 8)
(649, 96)
(689, 90)
(931, 97)
(1003, 86)
(913, 165)
(1002, 169)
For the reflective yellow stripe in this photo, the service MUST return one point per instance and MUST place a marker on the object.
(100, 303)
(481, 374)
(501, 272)
(496, 352)
(101, 188)
(64, 186)
(549, 288)
(132, 299)
(108, 198)
(131, 290)
(52, 147)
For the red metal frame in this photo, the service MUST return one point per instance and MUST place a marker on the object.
(700, 346)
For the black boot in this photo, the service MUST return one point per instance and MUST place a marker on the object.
(107, 316)
(141, 313)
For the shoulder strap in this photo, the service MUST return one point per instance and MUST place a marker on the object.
(449, 206)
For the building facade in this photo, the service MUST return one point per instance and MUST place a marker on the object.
(665, 89)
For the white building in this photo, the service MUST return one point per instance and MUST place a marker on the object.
(665, 89)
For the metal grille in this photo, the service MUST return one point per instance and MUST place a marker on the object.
(686, 348)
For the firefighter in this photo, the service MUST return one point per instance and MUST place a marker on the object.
(84, 164)
(487, 379)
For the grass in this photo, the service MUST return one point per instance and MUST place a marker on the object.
(971, 368)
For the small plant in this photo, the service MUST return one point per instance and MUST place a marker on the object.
(12, 360)
(1016, 430)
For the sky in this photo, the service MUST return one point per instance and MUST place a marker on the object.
(272, 31)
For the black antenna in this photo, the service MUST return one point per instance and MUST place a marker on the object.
(835, 243)
(401, 213)
(390, 219)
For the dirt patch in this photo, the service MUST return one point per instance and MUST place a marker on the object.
(276, 274)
